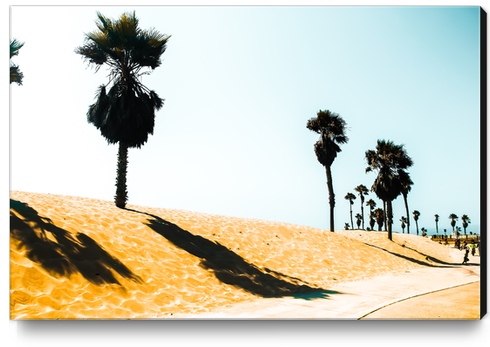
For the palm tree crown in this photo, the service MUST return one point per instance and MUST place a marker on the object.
(331, 128)
(466, 220)
(16, 75)
(403, 220)
(453, 217)
(358, 220)
(126, 113)
(371, 205)
(416, 215)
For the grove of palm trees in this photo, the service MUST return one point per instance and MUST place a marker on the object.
(124, 113)
(389, 161)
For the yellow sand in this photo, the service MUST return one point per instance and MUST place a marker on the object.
(81, 258)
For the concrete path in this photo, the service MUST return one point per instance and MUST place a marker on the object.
(461, 302)
(361, 299)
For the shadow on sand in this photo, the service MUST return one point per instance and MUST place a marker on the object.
(420, 262)
(435, 260)
(232, 269)
(68, 254)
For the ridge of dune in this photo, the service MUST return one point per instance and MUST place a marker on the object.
(83, 258)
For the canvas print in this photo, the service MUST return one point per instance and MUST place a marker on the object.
(246, 162)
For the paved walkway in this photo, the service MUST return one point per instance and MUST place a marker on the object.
(361, 299)
(461, 302)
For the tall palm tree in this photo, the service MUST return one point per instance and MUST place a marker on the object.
(351, 197)
(126, 113)
(389, 160)
(359, 219)
(362, 190)
(16, 75)
(406, 183)
(371, 205)
(437, 220)
(416, 215)
(331, 128)
(466, 220)
(403, 220)
(453, 217)
(379, 217)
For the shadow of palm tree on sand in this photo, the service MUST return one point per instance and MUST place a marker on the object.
(232, 269)
(420, 262)
(70, 253)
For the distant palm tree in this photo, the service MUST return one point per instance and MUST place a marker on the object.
(466, 220)
(372, 219)
(406, 183)
(389, 160)
(416, 215)
(403, 220)
(437, 220)
(458, 231)
(351, 197)
(424, 231)
(125, 114)
(379, 217)
(16, 75)
(359, 219)
(371, 205)
(331, 128)
(346, 226)
(453, 217)
(362, 190)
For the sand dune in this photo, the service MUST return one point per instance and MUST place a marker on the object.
(81, 258)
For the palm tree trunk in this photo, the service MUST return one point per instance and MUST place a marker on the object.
(331, 197)
(351, 220)
(408, 217)
(390, 220)
(122, 167)
(362, 211)
(384, 215)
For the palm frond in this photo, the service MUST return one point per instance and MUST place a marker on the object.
(93, 53)
(16, 75)
(15, 46)
(350, 197)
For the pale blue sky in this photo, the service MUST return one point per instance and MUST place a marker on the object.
(240, 84)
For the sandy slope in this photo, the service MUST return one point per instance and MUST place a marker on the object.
(80, 258)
